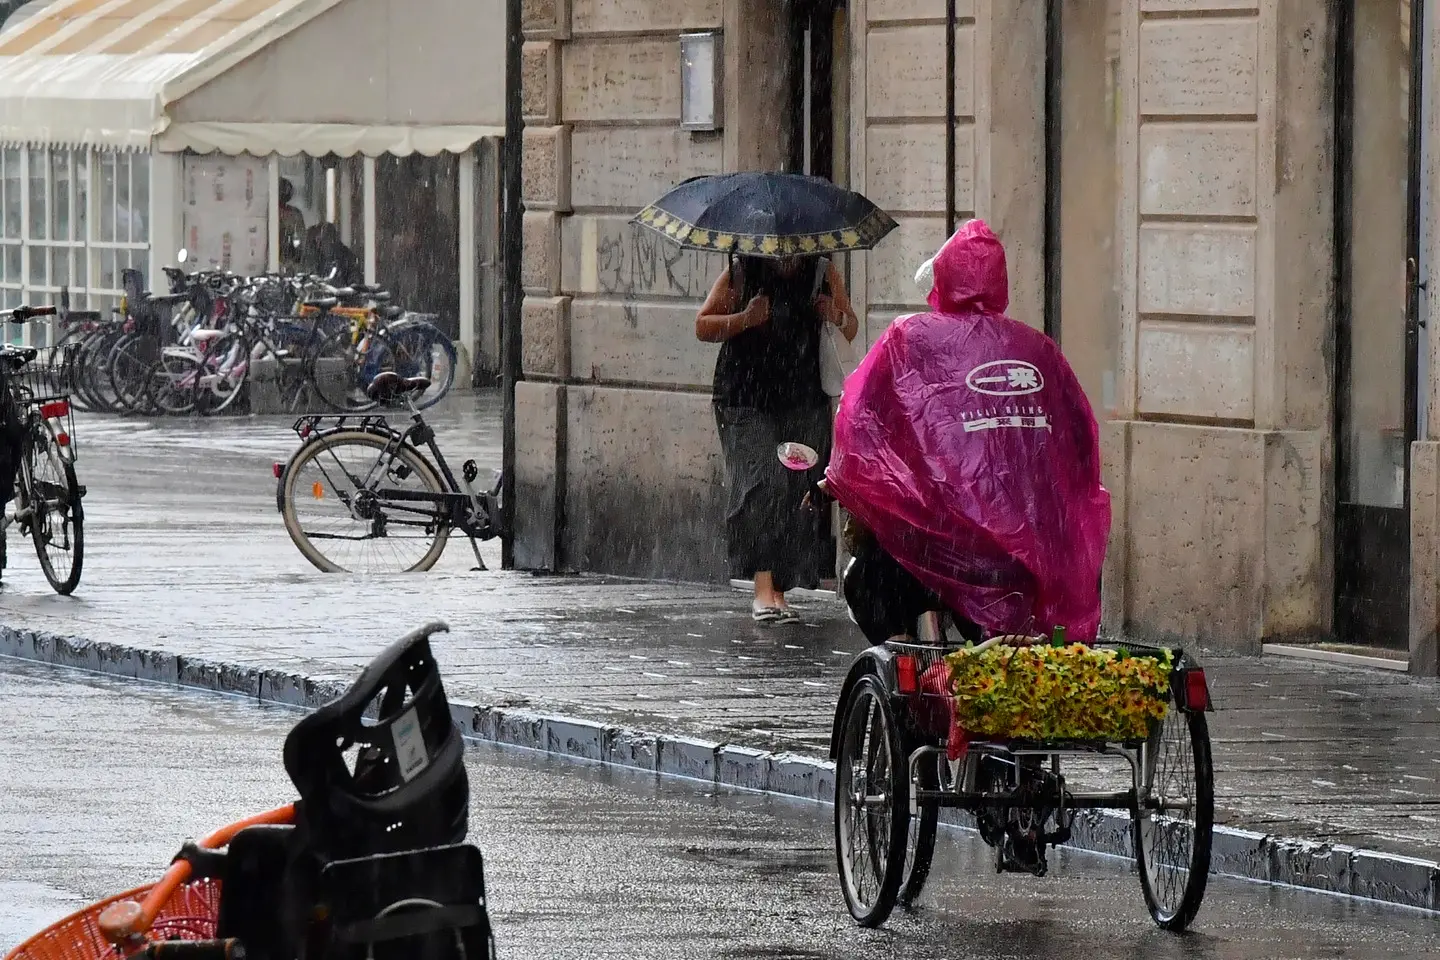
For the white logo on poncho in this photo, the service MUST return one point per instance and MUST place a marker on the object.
(1005, 378)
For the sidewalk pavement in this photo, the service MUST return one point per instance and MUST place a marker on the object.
(187, 557)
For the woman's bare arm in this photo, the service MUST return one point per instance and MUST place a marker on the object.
(718, 320)
(849, 324)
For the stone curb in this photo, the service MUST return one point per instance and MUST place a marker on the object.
(1245, 854)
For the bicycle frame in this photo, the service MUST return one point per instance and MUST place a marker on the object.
(459, 503)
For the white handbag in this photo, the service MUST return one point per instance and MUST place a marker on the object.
(837, 355)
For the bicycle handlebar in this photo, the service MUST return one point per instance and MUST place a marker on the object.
(127, 922)
(23, 313)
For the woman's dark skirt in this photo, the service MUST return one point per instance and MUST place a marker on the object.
(766, 526)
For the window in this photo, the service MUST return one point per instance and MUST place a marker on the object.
(123, 239)
(58, 232)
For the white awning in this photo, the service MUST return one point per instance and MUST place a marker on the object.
(225, 75)
(319, 139)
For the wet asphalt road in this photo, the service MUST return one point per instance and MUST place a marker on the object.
(103, 778)
(186, 553)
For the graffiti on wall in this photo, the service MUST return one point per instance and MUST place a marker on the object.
(632, 262)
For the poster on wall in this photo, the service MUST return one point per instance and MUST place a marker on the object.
(226, 201)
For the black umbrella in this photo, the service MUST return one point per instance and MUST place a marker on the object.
(766, 215)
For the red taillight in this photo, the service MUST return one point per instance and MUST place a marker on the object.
(63, 439)
(278, 469)
(305, 431)
(1197, 693)
(906, 677)
(54, 409)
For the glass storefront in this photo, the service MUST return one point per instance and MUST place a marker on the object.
(71, 218)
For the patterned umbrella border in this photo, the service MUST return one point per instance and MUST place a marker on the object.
(864, 235)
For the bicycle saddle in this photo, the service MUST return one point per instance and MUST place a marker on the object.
(19, 356)
(392, 312)
(323, 303)
(389, 385)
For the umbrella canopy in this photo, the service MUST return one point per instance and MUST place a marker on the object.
(766, 215)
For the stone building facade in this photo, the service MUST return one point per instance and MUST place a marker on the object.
(1180, 190)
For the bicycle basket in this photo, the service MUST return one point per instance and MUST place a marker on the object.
(189, 914)
(49, 376)
(1069, 692)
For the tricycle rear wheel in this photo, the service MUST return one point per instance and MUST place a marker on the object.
(872, 804)
(1174, 824)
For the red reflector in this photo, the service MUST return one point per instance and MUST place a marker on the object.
(278, 469)
(304, 432)
(1197, 693)
(63, 439)
(54, 409)
(906, 680)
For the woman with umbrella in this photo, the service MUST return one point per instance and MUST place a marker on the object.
(768, 310)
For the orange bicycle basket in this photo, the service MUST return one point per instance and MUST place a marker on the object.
(189, 914)
(175, 908)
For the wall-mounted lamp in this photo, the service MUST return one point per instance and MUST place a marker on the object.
(702, 72)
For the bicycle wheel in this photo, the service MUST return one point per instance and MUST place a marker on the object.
(422, 350)
(50, 502)
(223, 376)
(92, 378)
(343, 476)
(920, 840)
(1174, 819)
(170, 384)
(129, 366)
(340, 374)
(872, 805)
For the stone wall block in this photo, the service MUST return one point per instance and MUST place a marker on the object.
(1190, 66)
(1198, 269)
(614, 16)
(1195, 535)
(1299, 544)
(1115, 473)
(538, 410)
(625, 80)
(607, 256)
(905, 71)
(545, 168)
(879, 11)
(645, 462)
(1425, 558)
(540, 82)
(545, 337)
(544, 19)
(627, 167)
(1171, 155)
(905, 167)
(652, 343)
(540, 255)
(1197, 370)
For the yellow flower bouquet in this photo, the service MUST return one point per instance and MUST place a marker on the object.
(1071, 691)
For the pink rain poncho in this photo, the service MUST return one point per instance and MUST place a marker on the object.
(965, 444)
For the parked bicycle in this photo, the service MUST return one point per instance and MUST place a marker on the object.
(47, 496)
(362, 496)
(218, 340)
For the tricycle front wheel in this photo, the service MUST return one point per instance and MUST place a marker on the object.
(1174, 819)
(872, 805)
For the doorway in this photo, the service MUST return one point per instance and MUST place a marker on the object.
(819, 138)
(1378, 101)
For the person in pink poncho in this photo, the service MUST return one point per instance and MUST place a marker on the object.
(969, 459)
